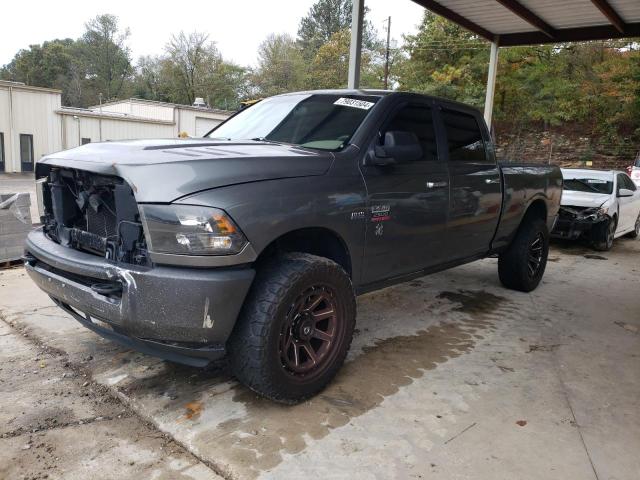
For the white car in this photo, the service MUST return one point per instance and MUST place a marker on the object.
(598, 205)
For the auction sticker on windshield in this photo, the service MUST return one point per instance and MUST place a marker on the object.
(352, 102)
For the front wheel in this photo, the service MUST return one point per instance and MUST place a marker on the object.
(522, 265)
(603, 235)
(295, 328)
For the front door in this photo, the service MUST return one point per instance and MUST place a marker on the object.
(476, 193)
(407, 202)
(628, 206)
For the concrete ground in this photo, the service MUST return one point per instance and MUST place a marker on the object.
(449, 377)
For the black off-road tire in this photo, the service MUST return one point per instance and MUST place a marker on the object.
(635, 233)
(602, 235)
(255, 348)
(514, 263)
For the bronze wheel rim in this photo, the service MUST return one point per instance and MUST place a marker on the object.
(311, 333)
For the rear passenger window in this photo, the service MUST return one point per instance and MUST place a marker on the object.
(419, 120)
(464, 137)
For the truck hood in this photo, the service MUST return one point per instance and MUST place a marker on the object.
(165, 170)
(583, 199)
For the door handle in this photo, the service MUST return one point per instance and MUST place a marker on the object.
(431, 185)
(489, 181)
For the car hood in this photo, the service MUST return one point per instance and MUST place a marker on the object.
(583, 199)
(165, 170)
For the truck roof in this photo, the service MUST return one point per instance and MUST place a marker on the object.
(376, 93)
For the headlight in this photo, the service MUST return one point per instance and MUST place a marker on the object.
(190, 230)
(595, 213)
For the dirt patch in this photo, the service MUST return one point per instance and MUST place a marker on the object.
(194, 409)
(258, 440)
(592, 256)
(543, 348)
(628, 327)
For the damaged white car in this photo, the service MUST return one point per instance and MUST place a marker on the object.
(599, 206)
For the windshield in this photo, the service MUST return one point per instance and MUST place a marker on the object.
(591, 185)
(325, 122)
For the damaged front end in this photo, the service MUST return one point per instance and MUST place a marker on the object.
(575, 222)
(91, 257)
(94, 213)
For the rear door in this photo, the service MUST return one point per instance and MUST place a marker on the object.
(408, 202)
(476, 192)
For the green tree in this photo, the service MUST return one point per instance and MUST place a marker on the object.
(193, 59)
(149, 82)
(106, 56)
(324, 19)
(53, 64)
(281, 66)
(445, 60)
(329, 68)
(193, 67)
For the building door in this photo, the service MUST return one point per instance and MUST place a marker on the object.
(2, 160)
(476, 196)
(407, 202)
(26, 152)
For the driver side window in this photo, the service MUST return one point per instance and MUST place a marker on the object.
(417, 119)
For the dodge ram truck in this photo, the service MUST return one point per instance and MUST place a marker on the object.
(253, 242)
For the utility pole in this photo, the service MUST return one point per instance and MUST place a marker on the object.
(386, 63)
(100, 119)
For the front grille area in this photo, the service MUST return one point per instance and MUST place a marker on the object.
(103, 221)
(93, 213)
(572, 213)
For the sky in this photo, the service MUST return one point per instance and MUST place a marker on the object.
(237, 26)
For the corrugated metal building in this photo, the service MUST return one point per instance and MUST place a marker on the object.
(196, 121)
(29, 126)
(33, 123)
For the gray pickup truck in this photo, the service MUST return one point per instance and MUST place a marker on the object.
(253, 241)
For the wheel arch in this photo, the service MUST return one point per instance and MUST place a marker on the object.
(536, 209)
(320, 241)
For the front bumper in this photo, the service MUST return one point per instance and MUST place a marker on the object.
(181, 314)
(573, 229)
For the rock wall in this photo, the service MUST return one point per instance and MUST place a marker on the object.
(565, 150)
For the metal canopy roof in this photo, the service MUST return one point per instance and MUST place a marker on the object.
(526, 22)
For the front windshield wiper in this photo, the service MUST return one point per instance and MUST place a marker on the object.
(265, 139)
(593, 189)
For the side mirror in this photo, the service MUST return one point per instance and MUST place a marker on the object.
(399, 147)
(625, 192)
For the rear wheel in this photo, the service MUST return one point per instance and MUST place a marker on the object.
(295, 328)
(522, 265)
(604, 234)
